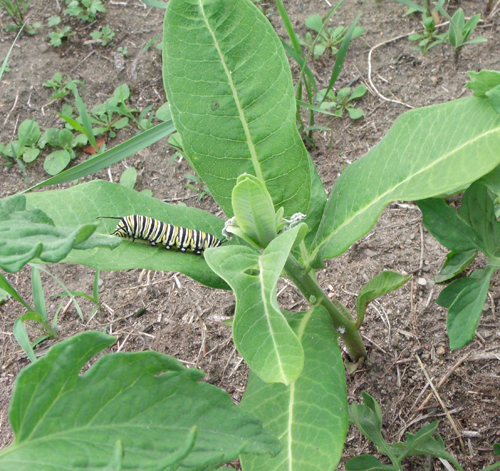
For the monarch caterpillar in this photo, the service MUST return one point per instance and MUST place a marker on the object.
(158, 232)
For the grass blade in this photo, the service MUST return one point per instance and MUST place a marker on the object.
(111, 156)
(315, 108)
(63, 286)
(301, 62)
(4, 63)
(294, 40)
(155, 3)
(80, 105)
(6, 286)
(341, 55)
(37, 290)
(23, 340)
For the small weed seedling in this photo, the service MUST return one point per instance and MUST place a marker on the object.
(428, 39)
(25, 146)
(60, 86)
(104, 115)
(58, 160)
(114, 114)
(342, 101)
(108, 117)
(430, 17)
(307, 88)
(328, 38)
(460, 30)
(56, 37)
(368, 419)
(37, 315)
(198, 186)
(85, 10)
(123, 51)
(30, 141)
(17, 9)
(104, 36)
(149, 43)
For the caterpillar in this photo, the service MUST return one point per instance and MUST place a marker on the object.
(158, 232)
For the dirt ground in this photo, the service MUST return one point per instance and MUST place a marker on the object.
(183, 318)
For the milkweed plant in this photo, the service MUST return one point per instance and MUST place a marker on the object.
(231, 96)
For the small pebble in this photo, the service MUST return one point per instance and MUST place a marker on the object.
(422, 281)
(440, 351)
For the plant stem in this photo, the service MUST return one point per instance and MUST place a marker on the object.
(342, 320)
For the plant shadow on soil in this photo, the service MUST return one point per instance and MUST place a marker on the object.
(183, 318)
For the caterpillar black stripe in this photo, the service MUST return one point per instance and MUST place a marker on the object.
(158, 232)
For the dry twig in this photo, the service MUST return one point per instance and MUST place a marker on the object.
(443, 406)
(11, 110)
(388, 41)
(445, 378)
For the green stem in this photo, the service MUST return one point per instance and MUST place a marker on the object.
(492, 467)
(342, 320)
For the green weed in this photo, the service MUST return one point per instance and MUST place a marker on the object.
(85, 10)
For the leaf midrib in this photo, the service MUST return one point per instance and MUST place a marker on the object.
(266, 301)
(250, 144)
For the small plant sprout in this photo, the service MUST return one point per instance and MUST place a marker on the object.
(60, 86)
(56, 37)
(104, 36)
(430, 17)
(25, 146)
(149, 43)
(85, 10)
(460, 30)
(16, 9)
(31, 141)
(429, 38)
(197, 185)
(342, 101)
(58, 160)
(368, 419)
(123, 51)
(104, 116)
(328, 38)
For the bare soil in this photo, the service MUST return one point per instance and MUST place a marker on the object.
(183, 318)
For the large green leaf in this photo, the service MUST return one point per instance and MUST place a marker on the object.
(230, 89)
(427, 152)
(158, 412)
(309, 415)
(84, 203)
(261, 333)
